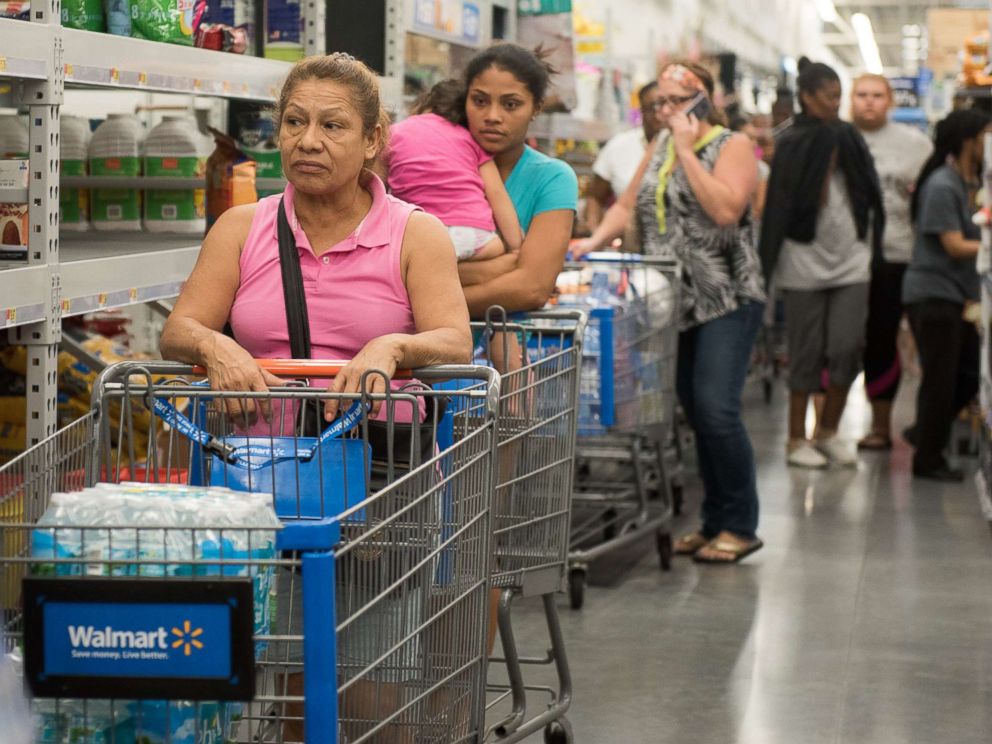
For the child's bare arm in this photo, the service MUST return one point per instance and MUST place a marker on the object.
(503, 209)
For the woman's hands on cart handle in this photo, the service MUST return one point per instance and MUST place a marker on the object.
(231, 368)
(381, 354)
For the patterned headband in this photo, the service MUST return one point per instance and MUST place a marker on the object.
(683, 76)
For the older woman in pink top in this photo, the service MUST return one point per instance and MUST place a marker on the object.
(380, 276)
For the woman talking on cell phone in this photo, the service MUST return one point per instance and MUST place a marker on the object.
(692, 199)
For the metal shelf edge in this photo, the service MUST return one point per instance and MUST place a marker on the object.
(126, 279)
(25, 293)
(105, 60)
(23, 49)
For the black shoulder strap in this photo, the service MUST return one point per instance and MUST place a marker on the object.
(297, 318)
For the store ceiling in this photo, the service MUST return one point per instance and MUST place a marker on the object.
(889, 18)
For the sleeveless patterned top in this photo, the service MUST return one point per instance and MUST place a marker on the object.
(720, 265)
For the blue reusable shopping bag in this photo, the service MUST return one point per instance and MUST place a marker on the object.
(309, 477)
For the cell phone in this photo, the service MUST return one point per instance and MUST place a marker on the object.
(699, 107)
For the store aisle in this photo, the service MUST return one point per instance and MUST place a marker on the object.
(867, 619)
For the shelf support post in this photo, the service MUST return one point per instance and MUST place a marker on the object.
(43, 99)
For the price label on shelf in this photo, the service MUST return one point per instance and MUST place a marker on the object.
(197, 84)
(11, 314)
(68, 70)
(101, 299)
(115, 75)
(132, 294)
(66, 305)
(142, 78)
(227, 86)
(244, 88)
(3, 64)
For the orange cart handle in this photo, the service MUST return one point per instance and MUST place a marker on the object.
(307, 368)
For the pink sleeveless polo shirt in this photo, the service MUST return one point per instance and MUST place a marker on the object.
(355, 291)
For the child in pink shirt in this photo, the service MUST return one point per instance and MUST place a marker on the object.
(436, 164)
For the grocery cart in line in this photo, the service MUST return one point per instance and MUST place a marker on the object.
(537, 355)
(628, 456)
(367, 597)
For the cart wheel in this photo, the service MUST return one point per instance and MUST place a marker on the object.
(609, 524)
(576, 587)
(664, 541)
(677, 499)
(558, 732)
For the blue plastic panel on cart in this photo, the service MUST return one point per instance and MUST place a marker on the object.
(139, 638)
(122, 639)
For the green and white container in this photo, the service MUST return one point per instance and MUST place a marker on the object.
(175, 148)
(114, 152)
(74, 204)
(86, 15)
(268, 164)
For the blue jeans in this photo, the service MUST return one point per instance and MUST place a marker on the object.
(712, 368)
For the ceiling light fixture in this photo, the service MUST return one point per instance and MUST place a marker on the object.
(867, 43)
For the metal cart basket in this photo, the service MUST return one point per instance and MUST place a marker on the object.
(628, 459)
(370, 590)
(538, 356)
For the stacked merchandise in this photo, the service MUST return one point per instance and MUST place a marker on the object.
(258, 142)
(227, 26)
(17, 9)
(13, 175)
(284, 30)
(171, 21)
(221, 25)
(175, 148)
(181, 526)
(114, 151)
(75, 384)
(74, 204)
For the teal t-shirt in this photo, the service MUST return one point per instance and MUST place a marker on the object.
(539, 184)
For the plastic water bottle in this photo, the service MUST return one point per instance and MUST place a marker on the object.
(599, 293)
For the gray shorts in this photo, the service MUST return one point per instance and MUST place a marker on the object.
(826, 331)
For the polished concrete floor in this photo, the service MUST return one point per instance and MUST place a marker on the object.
(867, 618)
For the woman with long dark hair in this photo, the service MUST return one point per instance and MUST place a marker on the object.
(822, 225)
(505, 88)
(941, 282)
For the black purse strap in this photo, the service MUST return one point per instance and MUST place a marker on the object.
(297, 317)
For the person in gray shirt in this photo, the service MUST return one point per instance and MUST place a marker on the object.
(824, 221)
(941, 282)
(899, 152)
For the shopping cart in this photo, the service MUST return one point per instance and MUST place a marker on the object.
(628, 456)
(538, 356)
(376, 583)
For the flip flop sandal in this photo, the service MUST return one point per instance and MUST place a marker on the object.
(876, 442)
(690, 544)
(730, 545)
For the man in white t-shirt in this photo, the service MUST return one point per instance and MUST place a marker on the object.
(617, 162)
(899, 151)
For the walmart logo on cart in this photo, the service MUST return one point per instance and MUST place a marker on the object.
(90, 642)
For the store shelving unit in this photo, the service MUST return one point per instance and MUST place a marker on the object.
(100, 270)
